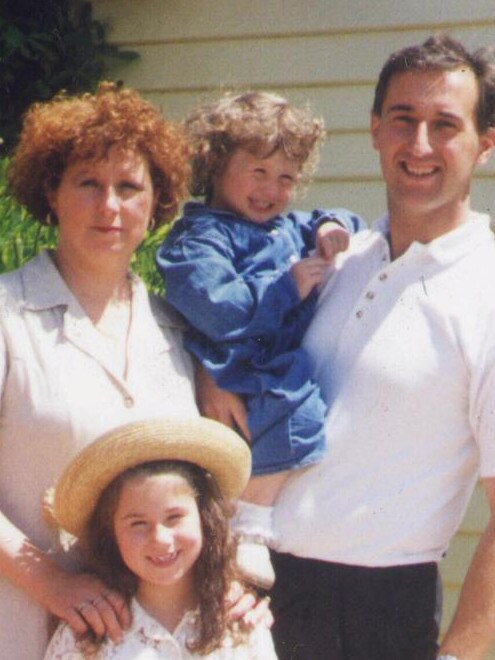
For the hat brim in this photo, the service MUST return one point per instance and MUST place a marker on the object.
(204, 442)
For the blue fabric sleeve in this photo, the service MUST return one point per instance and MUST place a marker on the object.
(201, 282)
(308, 223)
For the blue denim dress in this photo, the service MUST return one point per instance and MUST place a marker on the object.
(230, 279)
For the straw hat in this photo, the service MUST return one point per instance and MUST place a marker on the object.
(204, 442)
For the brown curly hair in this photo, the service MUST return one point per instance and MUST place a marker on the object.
(441, 52)
(214, 569)
(72, 128)
(259, 122)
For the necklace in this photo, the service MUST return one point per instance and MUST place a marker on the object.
(114, 328)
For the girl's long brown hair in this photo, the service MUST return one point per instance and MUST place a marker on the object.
(214, 569)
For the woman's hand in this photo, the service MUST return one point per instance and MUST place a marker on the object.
(85, 602)
(218, 404)
(81, 600)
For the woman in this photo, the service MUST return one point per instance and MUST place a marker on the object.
(83, 347)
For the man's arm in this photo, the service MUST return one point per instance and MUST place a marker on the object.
(473, 627)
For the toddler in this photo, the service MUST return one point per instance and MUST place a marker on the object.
(244, 273)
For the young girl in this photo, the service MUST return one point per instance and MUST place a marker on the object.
(242, 272)
(149, 503)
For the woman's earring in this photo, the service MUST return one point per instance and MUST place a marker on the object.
(49, 221)
(151, 224)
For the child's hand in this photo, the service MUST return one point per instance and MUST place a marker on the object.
(331, 238)
(308, 273)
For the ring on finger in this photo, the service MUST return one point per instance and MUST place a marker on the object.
(82, 606)
(97, 600)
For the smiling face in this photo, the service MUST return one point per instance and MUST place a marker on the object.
(254, 188)
(104, 207)
(429, 146)
(158, 531)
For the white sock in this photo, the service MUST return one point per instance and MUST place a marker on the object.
(254, 520)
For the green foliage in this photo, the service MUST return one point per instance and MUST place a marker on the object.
(143, 262)
(46, 46)
(22, 237)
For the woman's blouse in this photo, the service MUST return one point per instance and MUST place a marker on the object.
(59, 392)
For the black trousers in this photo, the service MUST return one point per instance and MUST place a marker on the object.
(327, 611)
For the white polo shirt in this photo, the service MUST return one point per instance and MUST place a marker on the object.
(405, 354)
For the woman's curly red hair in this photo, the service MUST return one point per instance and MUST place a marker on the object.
(71, 128)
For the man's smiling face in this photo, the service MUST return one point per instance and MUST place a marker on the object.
(428, 142)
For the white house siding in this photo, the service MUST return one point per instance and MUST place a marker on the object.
(325, 52)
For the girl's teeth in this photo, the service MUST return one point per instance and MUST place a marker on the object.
(160, 559)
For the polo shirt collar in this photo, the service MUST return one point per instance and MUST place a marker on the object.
(449, 247)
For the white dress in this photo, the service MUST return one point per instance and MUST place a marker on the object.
(146, 639)
(59, 392)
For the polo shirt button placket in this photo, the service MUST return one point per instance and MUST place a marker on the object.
(370, 295)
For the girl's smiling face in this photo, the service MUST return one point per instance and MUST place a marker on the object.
(158, 530)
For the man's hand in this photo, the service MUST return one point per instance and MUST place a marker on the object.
(218, 404)
(244, 607)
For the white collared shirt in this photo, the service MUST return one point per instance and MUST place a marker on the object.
(146, 639)
(404, 351)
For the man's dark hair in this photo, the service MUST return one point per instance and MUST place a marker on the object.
(442, 52)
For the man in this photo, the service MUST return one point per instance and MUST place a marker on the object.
(403, 345)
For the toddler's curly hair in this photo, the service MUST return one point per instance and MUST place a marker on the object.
(261, 123)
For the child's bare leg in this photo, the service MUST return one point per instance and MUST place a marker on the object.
(253, 527)
(264, 489)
